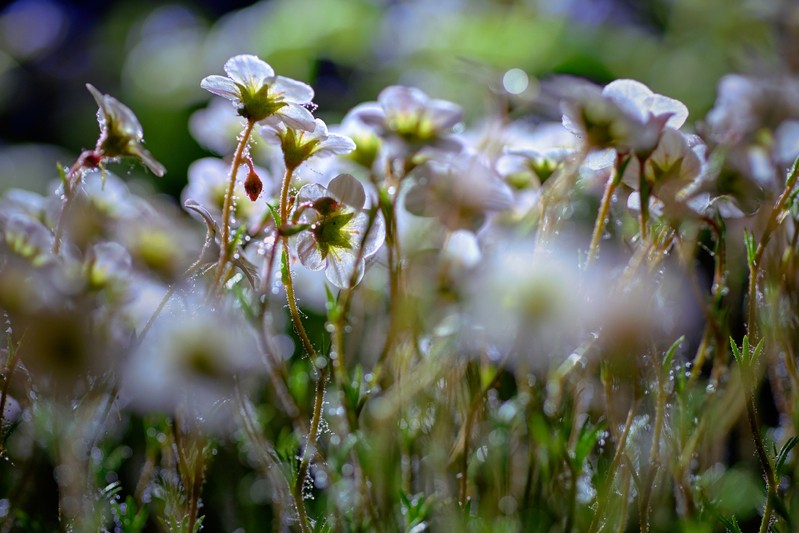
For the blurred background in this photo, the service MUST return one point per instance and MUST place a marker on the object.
(152, 56)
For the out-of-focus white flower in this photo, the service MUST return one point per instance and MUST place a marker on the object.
(534, 301)
(625, 115)
(409, 116)
(367, 143)
(460, 191)
(299, 146)
(532, 156)
(108, 263)
(336, 228)
(188, 361)
(121, 134)
(746, 105)
(673, 171)
(258, 93)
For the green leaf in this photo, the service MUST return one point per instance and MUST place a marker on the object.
(241, 298)
(287, 230)
(757, 351)
(730, 523)
(589, 435)
(735, 352)
(275, 214)
(783, 455)
(238, 238)
(751, 247)
(62, 175)
(670, 353)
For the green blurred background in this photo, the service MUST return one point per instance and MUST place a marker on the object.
(152, 57)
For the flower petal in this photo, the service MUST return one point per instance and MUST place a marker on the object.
(221, 86)
(335, 145)
(311, 193)
(443, 114)
(340, 266)
(297, 117)
(369, 113)
(662, 105)
(630, 95)
(400, 100)
(308, 251)
(346, 188)
(149, 161)
(293, 91)
(375, 238)
(249, 70)
(418, 202)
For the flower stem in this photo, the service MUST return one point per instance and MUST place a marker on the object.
(754, 265)
(71, 182)
(310, 445)
(604, 207)
(601, 220)
(227, 208)
(319, 396)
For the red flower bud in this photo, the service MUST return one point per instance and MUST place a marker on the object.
(253, 185)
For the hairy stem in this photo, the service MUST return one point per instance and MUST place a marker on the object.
(309, 451)
(227, 208)
(755, 264)
(604, 209)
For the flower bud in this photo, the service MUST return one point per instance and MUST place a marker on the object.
(253, 185)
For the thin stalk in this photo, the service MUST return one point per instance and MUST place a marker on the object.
(70, 187)
(288, 281)
(319, 396)
(614, 466)
(654, 452)
(755, 265)
(227, 208)
(11, 365)
(310, 444)
(760, 447)
(604, 209)
(463, 492)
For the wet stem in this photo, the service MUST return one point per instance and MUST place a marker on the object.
(604, 209)
(227, 208)
(11, 365)
(71, 182)
(319, 395)
(604, 500)
(755, 264)
(746, 371)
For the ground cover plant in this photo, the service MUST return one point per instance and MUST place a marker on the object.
(576, 318)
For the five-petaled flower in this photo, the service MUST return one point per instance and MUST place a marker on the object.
(258, 93)
(337, 229)
(121, 134)
(408, 115)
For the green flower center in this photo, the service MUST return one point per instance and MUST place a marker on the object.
(257, 104)
(295, 148)
(330, 232)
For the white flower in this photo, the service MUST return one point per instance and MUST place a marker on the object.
(336, 228)
(459, 191)
(408, 115)
(625, 115)
(299, 146)
(257, 93)
(188, 362)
